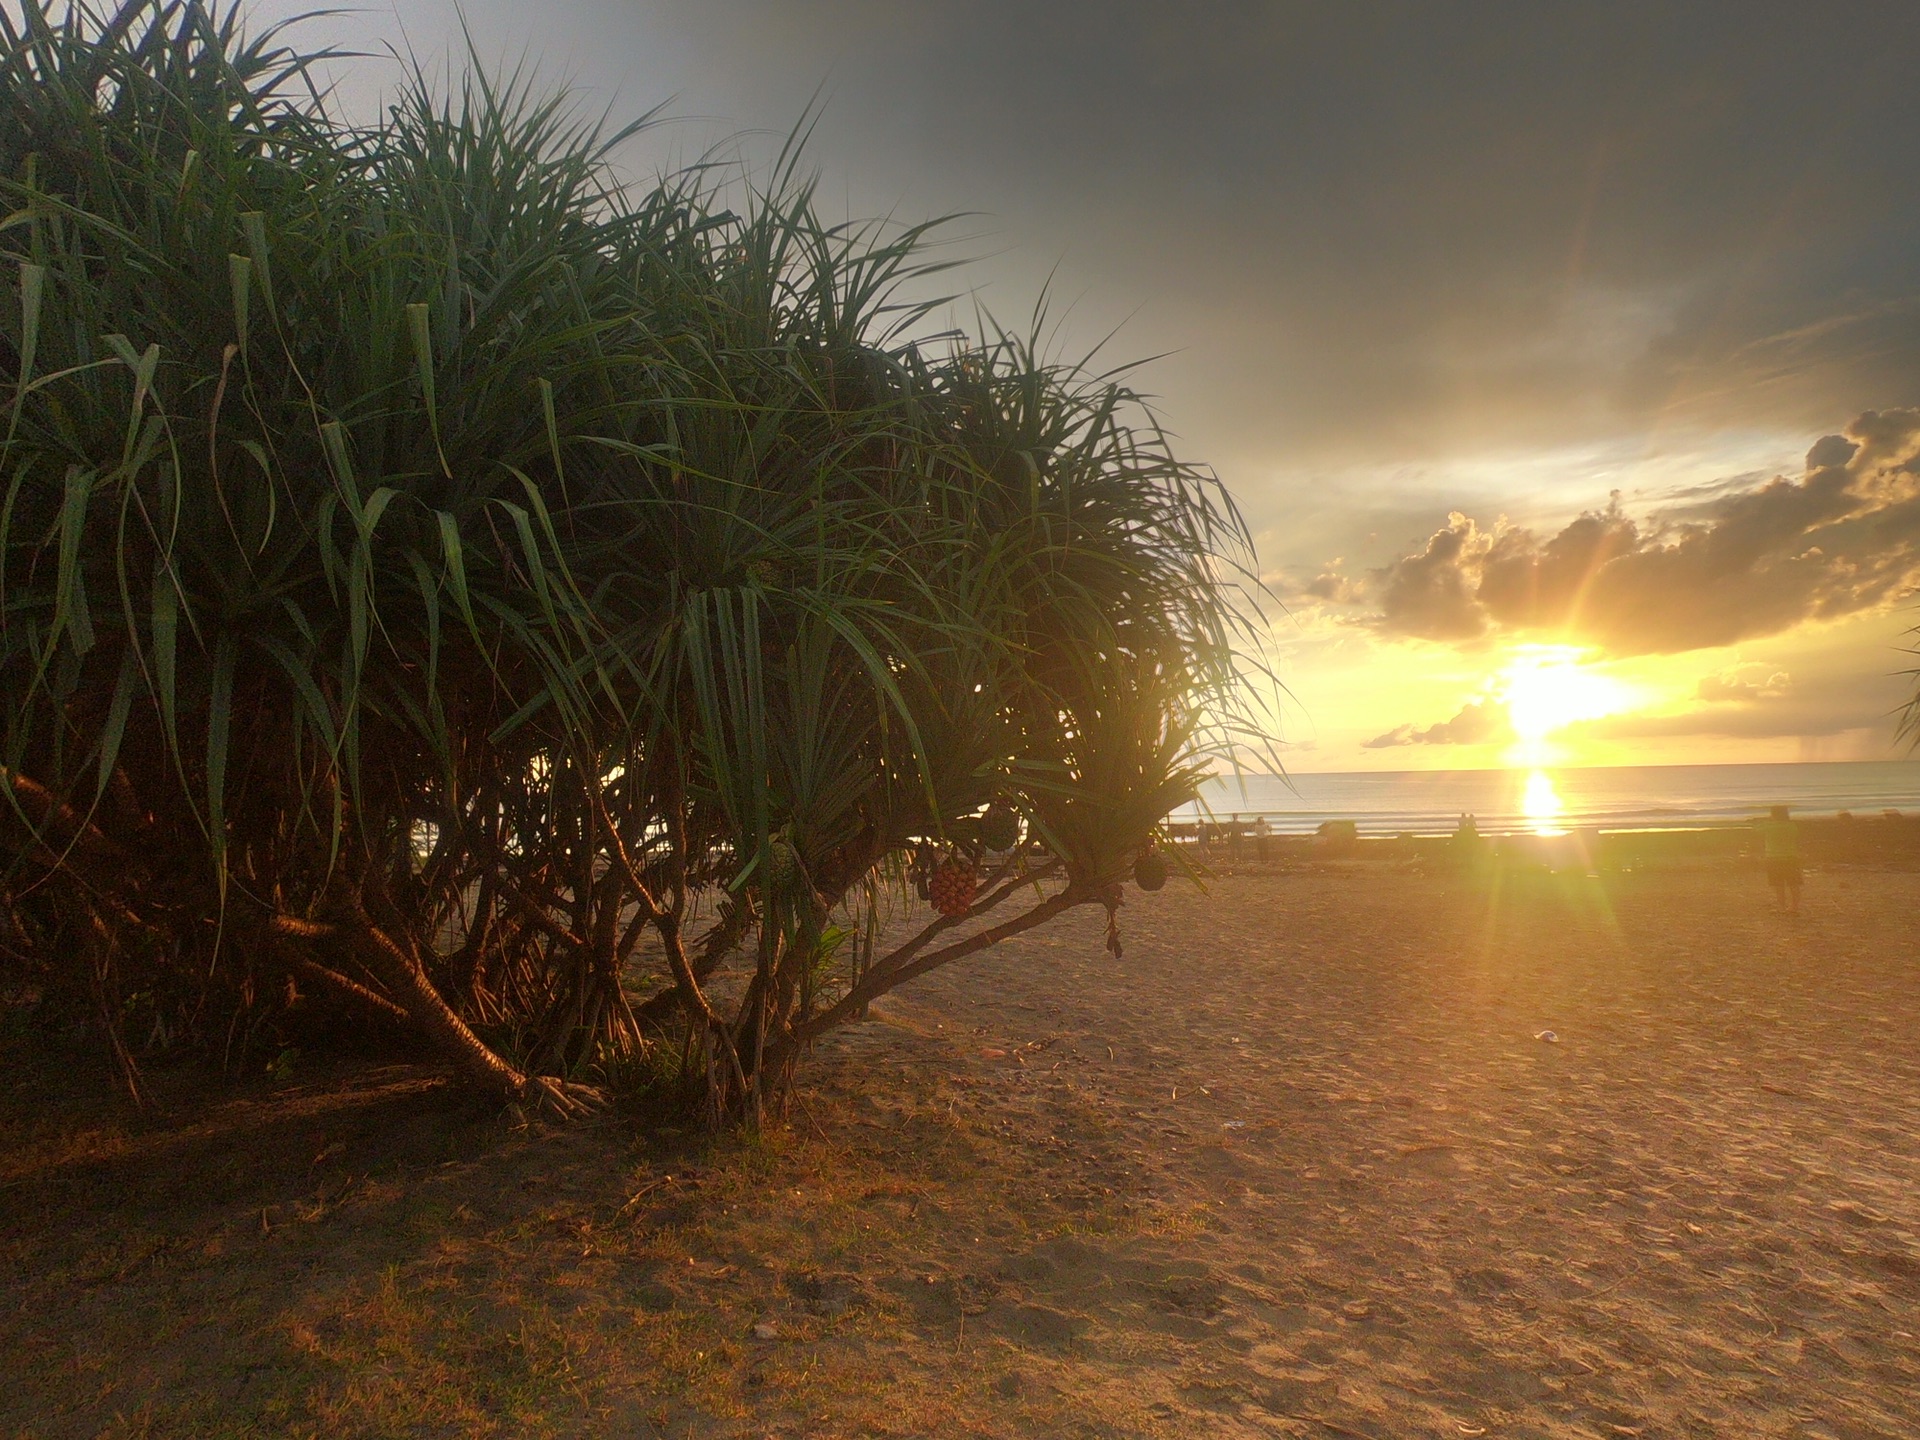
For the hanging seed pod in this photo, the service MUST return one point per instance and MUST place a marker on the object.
(1000, 827)
(1150, 870)
(953, 887)
(783, 864)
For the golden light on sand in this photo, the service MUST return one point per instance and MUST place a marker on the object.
(1541, 804)
(1546, 689)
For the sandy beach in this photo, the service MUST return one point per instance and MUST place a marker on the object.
(1300, 1164)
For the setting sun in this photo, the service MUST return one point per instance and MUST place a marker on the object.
(1546, 689)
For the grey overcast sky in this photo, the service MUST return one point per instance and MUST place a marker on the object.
(1404, 260)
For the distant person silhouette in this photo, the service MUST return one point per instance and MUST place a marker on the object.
(1468, 845)
(1780, 838)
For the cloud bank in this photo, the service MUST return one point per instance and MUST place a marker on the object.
(1744, 684)
(1842, 538)
(1477, 722)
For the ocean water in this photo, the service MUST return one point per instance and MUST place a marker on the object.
(1428, 802)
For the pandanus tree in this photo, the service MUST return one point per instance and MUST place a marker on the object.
(455, 596)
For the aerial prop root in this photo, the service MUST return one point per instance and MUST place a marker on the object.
(414, 995)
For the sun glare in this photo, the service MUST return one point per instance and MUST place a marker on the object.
(1541, 804)
(1546, 689)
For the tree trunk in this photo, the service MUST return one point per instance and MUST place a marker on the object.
(446, 1034)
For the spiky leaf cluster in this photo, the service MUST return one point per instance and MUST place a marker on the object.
(412, 533)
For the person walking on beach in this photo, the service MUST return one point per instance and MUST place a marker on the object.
(1780, 838)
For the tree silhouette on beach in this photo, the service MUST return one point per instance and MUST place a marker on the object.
(457, 597)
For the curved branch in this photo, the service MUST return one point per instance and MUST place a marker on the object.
(901, 966)
(980, 907)
(372, 999)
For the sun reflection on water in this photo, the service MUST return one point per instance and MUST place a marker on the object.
(1541, 804)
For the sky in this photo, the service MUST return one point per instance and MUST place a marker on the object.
(1564, 359)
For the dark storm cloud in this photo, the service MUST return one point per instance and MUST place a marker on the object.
(1842, 538)
(1432, 595)
(1362, 231)
(1399, 227)
(1477, 722)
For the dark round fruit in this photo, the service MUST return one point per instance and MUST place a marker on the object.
(1000, 827)
(1150, 870)
(782, 862)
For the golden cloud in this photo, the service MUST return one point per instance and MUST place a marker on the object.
(1842, 538)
